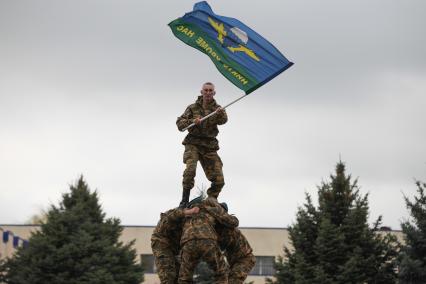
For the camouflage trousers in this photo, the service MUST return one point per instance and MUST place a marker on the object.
(166, 263)
(212, 166)
(193, 252)
(240, 269)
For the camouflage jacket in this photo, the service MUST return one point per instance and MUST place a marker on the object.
(201, 225)
(205, 133)
(169, 229)
(234, 244)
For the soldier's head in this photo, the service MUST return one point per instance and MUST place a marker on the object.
(194, 202)
(207, 90)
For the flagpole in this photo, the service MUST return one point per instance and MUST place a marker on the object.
(212, 113)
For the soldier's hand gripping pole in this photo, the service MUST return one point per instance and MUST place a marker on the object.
(210, 114)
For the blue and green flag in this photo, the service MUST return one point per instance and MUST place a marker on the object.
(243, 56)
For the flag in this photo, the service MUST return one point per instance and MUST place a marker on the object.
(243, 56)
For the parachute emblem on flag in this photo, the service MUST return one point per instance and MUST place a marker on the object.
(237, 36)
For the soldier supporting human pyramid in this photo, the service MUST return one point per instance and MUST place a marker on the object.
(201, 143)
(203, 232)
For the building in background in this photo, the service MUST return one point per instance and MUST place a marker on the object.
(267, 243)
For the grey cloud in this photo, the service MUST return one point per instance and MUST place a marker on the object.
(94, 88)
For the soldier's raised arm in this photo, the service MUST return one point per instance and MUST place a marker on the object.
(175, 215)
(185, 119)
(221, 117)
(172, 215)
(219, 213)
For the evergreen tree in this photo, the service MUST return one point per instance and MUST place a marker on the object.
(75, 245)
(2, 270)
(333, 243)
(412, 267)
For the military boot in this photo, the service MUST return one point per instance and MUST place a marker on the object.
(185, 198)
(213, 191)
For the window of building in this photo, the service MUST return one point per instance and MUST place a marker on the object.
(148, 264)
(264, 266)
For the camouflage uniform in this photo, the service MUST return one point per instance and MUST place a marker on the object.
(199, 241)
(165, 245)
(201, 145)
(238, 252)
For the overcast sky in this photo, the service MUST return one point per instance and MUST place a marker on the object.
(94, 88)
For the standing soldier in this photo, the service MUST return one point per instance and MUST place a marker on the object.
(199, 241)
(165, 243)
(201, 143)
(238, 252)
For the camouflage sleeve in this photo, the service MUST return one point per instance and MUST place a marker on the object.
(185, 119)
(176, 214)
(224, 218)
(221, 216)
(220, 118)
